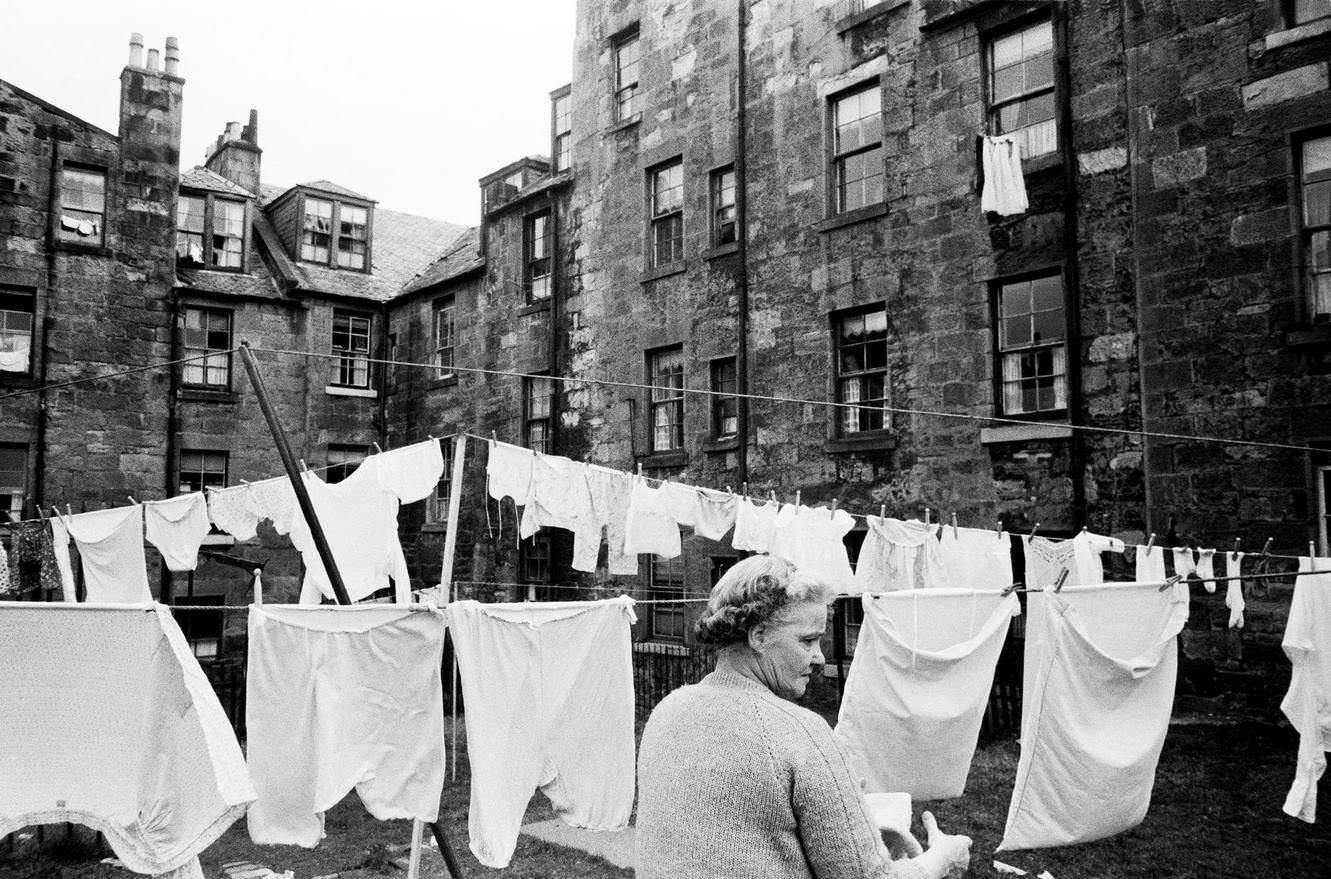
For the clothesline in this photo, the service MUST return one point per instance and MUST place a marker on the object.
(864, 516)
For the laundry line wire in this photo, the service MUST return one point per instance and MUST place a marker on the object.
(867, 516)
(52, 386)
(769, 398)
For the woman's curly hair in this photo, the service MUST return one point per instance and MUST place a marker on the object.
(752, 592)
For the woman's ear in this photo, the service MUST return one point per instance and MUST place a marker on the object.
(758, 637)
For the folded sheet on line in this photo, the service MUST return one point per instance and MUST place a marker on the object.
(110, 722)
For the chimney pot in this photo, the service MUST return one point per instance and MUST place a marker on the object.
(135, 50)
(251, 132)
(172, 56)
(232, 131)
(152, 59)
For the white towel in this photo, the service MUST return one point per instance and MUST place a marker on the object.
(1004, 187)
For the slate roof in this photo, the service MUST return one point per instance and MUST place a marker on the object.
(202, 178)
(462, 257)
(333, 189)
(258, 283)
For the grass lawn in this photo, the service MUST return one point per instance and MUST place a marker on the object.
(1215, 813)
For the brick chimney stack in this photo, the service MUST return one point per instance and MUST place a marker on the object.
(150, 113)
(236, 155)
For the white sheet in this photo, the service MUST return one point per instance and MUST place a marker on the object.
(1102, 662)
(110, 542)
(109, 722)
(915, 697)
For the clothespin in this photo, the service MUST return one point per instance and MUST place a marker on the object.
(69, 511)
(744, 489)
(303, 468)
(1312, 549)
(1062, 578)
(1238, 541)
(131, 499)
(1150, 541)
(797, 497)
(1266, 548)
(377, 449)
(1172, 581)
(639, 469)
(954, 526)
(1035, 528)
(882, 511)
(926, 515)
(834, 508)
(1083, 529)
(728, 491)
(772, 495)
(1013, 588)
(258, 586)
(998, 529)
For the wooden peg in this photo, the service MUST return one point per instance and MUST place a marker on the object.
(744, 489)
(1266, 549)
(772, 495)
(926, 515)
(131, 499)
(998, 529)
(1016, 584)
(1062, 578)
(69, 511)
(882, 511)
(1035, 528)
(1150, 541)
(639, 469)
(834, 505)
(377, 450)
(728, 491)
(303, 468)
(797, 497)
(1312, 549)
(954, 526)
(1238, 541)
(1083, 529)
(1172, 581)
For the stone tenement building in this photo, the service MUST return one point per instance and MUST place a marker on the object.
(783, 199)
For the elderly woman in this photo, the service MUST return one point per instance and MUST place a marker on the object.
(736, 781)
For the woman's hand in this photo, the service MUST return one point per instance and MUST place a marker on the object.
(950, 854)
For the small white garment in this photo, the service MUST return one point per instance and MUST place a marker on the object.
(1088, 547)
(753, 525)
(549, 695)
(359, 520)
(976, 558)
(1047, 559)
(338, 697)
(177, 528)
(899, 555)
(610, 491)
(1004, 186)
(1185, 565)
(229, 508)
(110, 723)
(63, 563)
(1102, 663)
(110, 542)
(508, 472)
(1234, 588)
(682, 502)
(1205, 569)
(811, 539)
(274, 500)
(1307, 703)
(649, 527)
(1150, 565)
(919, 685)
(559, 498)
(715, 513)
(412, 472)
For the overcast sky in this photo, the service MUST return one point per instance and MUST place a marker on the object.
(405, 102)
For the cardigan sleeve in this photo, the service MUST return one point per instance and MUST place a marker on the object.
(838, 837)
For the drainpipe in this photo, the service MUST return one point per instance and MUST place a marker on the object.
(172, 430)
(1076, 446)
(52, 278)
(742, 251)
(556, 291)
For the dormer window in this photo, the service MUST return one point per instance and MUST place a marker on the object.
(349, 248)
(224, 246)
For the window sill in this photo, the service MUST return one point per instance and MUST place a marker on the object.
(534, 308)
(76, 247)
(1318, 334)
(869, 441)
(446, 382)
(1020, 433)
(340, 391)
(721, 250)
(669, 648)
(660, 272)
(434, 528)
(850, 218)
(1042, 163)
(625, 124)
(853, 21)
(672, 458)
(724, 444)
(1298, 33)
(208, 395)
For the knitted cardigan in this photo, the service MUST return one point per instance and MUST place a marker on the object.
(736, 782)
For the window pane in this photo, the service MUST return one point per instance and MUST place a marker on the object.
(1048, 326)
(1317, 155)
(1317, 204)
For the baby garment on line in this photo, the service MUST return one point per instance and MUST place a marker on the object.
(1004, 186)
(560, 497)
(412, 472)
(549, 695)
(811, 539)
(1184, 565)
(1096, 710)
(649, 527)
(753, 525)
(1088, 547)
(899, 555)
(1234, 588)
(36, 561)
(976, 558)
(1205, 568)
(230, 510)
(918, 688)
(682, 502)
(119, 731)
(177, 528)
(342, 697)
(715, 514)
(359, 519)
(110, 542)
(508, 472)
(274, 500)
(610, 491)
(1307, 703)
(1150, 564)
